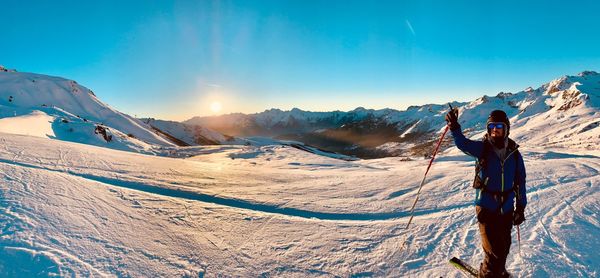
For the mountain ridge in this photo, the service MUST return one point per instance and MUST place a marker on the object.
(60, 108)
(376, 129)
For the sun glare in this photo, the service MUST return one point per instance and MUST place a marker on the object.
(215, 106)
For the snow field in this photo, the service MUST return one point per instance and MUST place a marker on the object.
(73, 209)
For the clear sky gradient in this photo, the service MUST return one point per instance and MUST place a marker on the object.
(173, 59)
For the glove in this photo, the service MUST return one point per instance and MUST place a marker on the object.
(452, 119)
(519, 216)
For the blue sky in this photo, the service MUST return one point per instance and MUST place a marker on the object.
(172, 59)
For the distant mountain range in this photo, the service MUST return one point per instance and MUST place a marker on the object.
(54, 107)
(561, 113)
(569, 106)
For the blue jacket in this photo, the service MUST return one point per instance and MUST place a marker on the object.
(501, 175)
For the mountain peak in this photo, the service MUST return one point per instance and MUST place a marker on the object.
(3, 69)
(587, 73)
(273, 110)
(556, 85)
(503, 95)
(359, 109)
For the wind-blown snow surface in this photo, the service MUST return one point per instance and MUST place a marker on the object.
(73, 209)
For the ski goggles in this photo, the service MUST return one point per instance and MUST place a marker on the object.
(495, 125)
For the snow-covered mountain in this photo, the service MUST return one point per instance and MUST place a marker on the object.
(47, 106)
(190, 135)
(563, 112)
(58, 108)
(275, 122)
(42, 105)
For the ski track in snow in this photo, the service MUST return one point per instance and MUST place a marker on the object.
(70, 209)
(241, 204)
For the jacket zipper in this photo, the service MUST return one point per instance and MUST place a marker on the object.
(502, 169)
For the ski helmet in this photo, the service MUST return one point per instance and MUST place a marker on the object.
(498, 116)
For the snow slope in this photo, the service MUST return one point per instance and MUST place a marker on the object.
(37, 124)
(72, 113)
(277, 211)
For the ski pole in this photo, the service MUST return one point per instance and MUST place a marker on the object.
(519, 239)
(412, 209)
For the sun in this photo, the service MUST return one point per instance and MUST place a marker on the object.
(215, 106)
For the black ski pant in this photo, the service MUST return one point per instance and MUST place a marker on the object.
(495, 230)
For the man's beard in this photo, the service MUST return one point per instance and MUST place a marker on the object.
(498, 141)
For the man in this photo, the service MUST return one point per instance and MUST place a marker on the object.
(499, 181)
